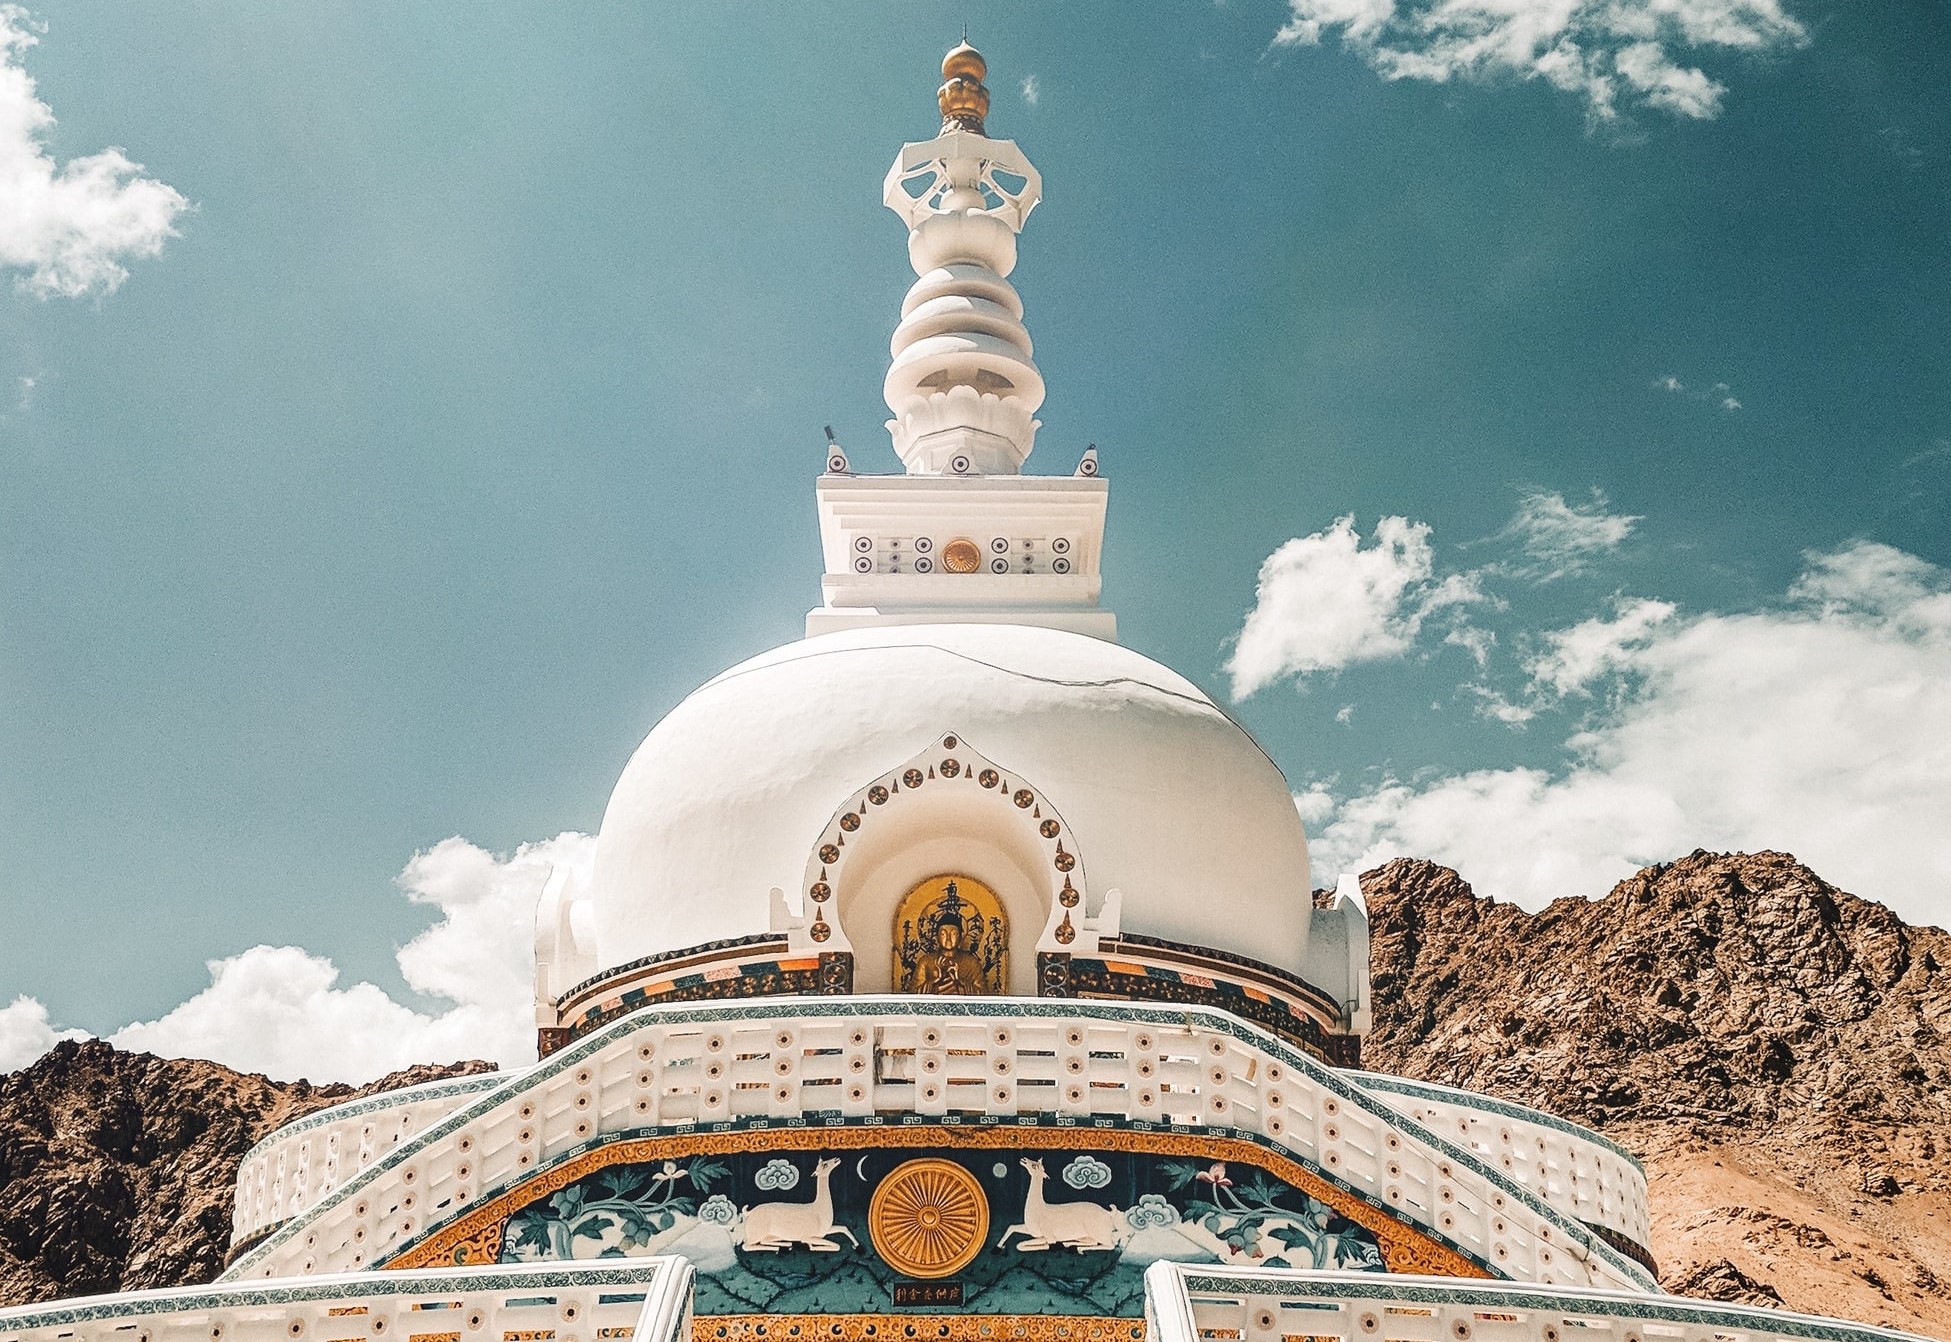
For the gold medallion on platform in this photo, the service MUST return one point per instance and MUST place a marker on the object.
(928, 1218)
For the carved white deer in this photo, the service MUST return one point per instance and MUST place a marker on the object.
(780, 1225)
(1082, 1225)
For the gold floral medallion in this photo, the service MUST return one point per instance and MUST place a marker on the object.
(928, 1218)
(961, 556)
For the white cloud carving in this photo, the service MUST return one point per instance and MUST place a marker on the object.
(1611, 53)
(67, 228)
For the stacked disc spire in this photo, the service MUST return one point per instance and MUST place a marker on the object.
(963, 385)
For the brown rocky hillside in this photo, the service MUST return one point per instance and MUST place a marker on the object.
(1776, 1050)
(116, 1168)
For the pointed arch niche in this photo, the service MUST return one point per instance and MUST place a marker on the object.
(949, 811)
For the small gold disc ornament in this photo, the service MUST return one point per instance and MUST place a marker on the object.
(928, 1218)
(961, 556)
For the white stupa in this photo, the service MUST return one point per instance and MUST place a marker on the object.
(952, 973)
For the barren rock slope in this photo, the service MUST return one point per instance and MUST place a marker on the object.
(116, 1168)
(1778, 1052)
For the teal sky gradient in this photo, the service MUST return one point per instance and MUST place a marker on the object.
(472, 419)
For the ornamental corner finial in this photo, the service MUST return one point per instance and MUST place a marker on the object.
(963, 97)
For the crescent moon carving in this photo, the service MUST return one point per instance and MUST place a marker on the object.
(860, 1169)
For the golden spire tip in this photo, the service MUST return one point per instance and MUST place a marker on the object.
(963, 97)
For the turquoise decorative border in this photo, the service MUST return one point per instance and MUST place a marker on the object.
(1340, 1287)
(910, 1008)
(1470, 1099)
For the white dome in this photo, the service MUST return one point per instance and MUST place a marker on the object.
(1166, 799)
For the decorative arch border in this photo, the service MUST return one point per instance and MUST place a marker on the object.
(474, 1237)
(949, 761)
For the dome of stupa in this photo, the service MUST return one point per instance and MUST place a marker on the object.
(1160, 796)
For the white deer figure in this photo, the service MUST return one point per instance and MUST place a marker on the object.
(780, 1225)
(1081, 1225)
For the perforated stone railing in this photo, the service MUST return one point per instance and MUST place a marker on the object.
(1572, 1168)
(301, 1162)
(642, 1299)
(1193, 1304)
(891, 1059)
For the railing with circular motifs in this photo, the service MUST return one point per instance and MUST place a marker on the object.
(808, 1061)
(1195, 1304)
(1574, 1169)
(302, 1161)
(641, 1300)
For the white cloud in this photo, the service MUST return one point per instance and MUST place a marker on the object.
(26, 1033)
(1325, 601)
(1820, 725)
(68, 228)
(1563, 538)
(1030, 91)
(280, 1010)
(1609, 52)
(1592, 648)
(1478, 642)
(1721, 394)
(1491, 704)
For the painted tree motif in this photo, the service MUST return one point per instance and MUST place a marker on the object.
(618, 1211)
(1252, 1221)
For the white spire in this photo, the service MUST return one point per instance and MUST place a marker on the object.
(963, 386)
(963, 536)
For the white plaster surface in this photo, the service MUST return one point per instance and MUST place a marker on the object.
(1166, 798)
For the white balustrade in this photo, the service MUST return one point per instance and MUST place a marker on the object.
(1575, 1170)
(301, 1162)
(1195, 1304)
(799, 1061)
(642, 1300)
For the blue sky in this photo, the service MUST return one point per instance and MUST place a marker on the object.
(439, 401)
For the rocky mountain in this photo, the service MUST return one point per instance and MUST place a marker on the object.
(1776, 1050)
(116, 1168)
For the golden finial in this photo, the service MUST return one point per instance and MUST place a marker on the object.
(963, 98)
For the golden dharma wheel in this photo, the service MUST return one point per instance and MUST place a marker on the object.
(928, 1218)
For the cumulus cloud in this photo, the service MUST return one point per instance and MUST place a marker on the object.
(1611, 53)
(281, 1010)
(1560, 538)
(1820, 725)
(26, 1033)
(1326, 601)
(1031, 93)
(67, 228)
